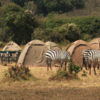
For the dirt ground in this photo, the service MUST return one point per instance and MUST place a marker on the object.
(92, 93)
(84, 88)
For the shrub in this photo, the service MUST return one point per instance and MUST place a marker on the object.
(16, 73)
(60, 75)
(87, 26)
(17, 24)
(63, 75)
(72, 32)
(84, 73)
(2, 44)
(60, 6)
(74, 68)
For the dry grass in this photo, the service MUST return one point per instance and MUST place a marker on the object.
(43, 89)
(85, 88)
(43, 75)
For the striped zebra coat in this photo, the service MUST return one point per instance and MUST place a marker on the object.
(57, 56)
(91, 57)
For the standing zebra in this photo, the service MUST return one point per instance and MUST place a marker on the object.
(57, 56)
(91, 57)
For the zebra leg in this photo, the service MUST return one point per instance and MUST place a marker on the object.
(89, 66)
(84, 64)
(94, 68)
(65, 65)
(47, 62)
(98, 66)
(61, 64)
(50, 65)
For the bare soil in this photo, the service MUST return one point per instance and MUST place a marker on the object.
(92, 93)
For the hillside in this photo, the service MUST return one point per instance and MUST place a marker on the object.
(92, 7)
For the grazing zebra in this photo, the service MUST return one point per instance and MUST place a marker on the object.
(57, 56)
(91, 57)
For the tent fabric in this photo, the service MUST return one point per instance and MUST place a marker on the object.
(11, 46)
(52, 45)
(33, 54)
(76, 49)
(95, 44)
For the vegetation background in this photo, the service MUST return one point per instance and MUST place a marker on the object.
(60, 21)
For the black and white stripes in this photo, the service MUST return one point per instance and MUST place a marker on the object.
(91, 57)
(57, 56)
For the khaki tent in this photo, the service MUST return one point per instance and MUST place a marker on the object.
(52, 45)
(76, 49)
(33, 54)
(11, 46)
(95, 43)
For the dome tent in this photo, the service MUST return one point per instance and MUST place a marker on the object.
(76, 49)
(33, 54)
(11, 46)
(52, 45)
(95, 44)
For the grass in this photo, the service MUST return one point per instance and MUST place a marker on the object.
(16, 73)
(42, 89)
(43, 75)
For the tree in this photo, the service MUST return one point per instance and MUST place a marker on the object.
(78, 3)
(60, 6)
(17, 24)
(31, 6)
(70, 31)
(20, 2)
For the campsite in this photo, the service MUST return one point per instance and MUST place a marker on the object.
(40, 86)
(49, 49)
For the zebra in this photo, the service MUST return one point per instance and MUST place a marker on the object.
(91, 57)
(59, 56)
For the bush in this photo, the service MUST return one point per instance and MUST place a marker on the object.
(59, 6)
(17, 24)
(63, 75)
(84, 73)
(60, 75)
(74, 68)
(88, 27)
(16, 73)
(2, 44)
(71, 31)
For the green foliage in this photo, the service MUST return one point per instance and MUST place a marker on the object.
(16, 73)
(86, 37)
(71, 31)
(20, 2)
(78, 3)
(2, 44)
(10, 7)
(31, 6)
(58, 34)
(17, 25)
(63, 75)
(20, 24)
(60, 6)
(74, 68)
(84, 73)
(60, 75)
(86, 28)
